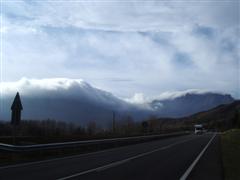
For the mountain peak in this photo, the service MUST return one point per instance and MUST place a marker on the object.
(189, 103)
(76, 100)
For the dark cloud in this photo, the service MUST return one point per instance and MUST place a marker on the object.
(182, 60)
(204, 31)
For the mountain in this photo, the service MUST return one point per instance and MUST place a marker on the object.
(189, 103)
(77, 101)
(223, 117)
(66, 100)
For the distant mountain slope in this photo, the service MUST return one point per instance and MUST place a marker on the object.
(77, 101)
(189, 104)
(67, 100)
(223, 116)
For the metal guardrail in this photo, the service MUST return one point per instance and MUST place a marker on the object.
(28, 148)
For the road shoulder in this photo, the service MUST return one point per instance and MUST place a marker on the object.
(210, 165)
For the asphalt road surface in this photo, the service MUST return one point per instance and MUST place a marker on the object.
(166, 159)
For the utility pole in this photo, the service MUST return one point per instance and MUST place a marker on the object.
(113, 122)
(16, 114)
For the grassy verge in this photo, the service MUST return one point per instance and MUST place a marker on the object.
(230, 141)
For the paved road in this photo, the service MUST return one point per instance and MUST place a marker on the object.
(210, 164)
(163, 159)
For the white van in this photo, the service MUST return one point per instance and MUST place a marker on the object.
(198, 129)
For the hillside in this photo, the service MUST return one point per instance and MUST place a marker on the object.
(74, 100)
(189, 103)
(221, 118)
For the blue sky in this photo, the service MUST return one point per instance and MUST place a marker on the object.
(124, 47)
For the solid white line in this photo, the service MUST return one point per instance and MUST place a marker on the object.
(188, 171)
(58, 159)
(117, 163)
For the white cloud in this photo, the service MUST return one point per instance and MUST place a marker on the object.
(32, 86)
(72, 89)
(175, 94)
(128, 40)
(141, 99)
(77, 90)
(138, 98)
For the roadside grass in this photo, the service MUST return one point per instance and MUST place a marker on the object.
(230, 142)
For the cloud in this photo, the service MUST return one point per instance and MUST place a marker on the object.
(59, 87)
(124, 16)
(34, 86)
(170, 95)
(137, 98)
(204, 31)
(76, 100)
(162, 46)
(61, 99)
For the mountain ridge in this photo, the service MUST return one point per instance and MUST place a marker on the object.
(77, 101)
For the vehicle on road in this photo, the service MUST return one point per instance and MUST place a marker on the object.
(199, 129)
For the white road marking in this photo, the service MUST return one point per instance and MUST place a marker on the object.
(117, 163)
(56, 159)
(60, 158)
(188, 171)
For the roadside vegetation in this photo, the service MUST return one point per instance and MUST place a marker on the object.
(230, 141)
(31, 132)
(221, 118)
(48, 131)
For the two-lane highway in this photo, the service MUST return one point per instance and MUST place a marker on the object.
(161, 159)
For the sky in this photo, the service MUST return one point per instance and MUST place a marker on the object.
(129, 48)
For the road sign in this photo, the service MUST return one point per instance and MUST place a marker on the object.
(16, 110)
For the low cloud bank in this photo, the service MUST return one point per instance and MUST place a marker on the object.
(58, 87)
(140, 98)
(76, 100)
